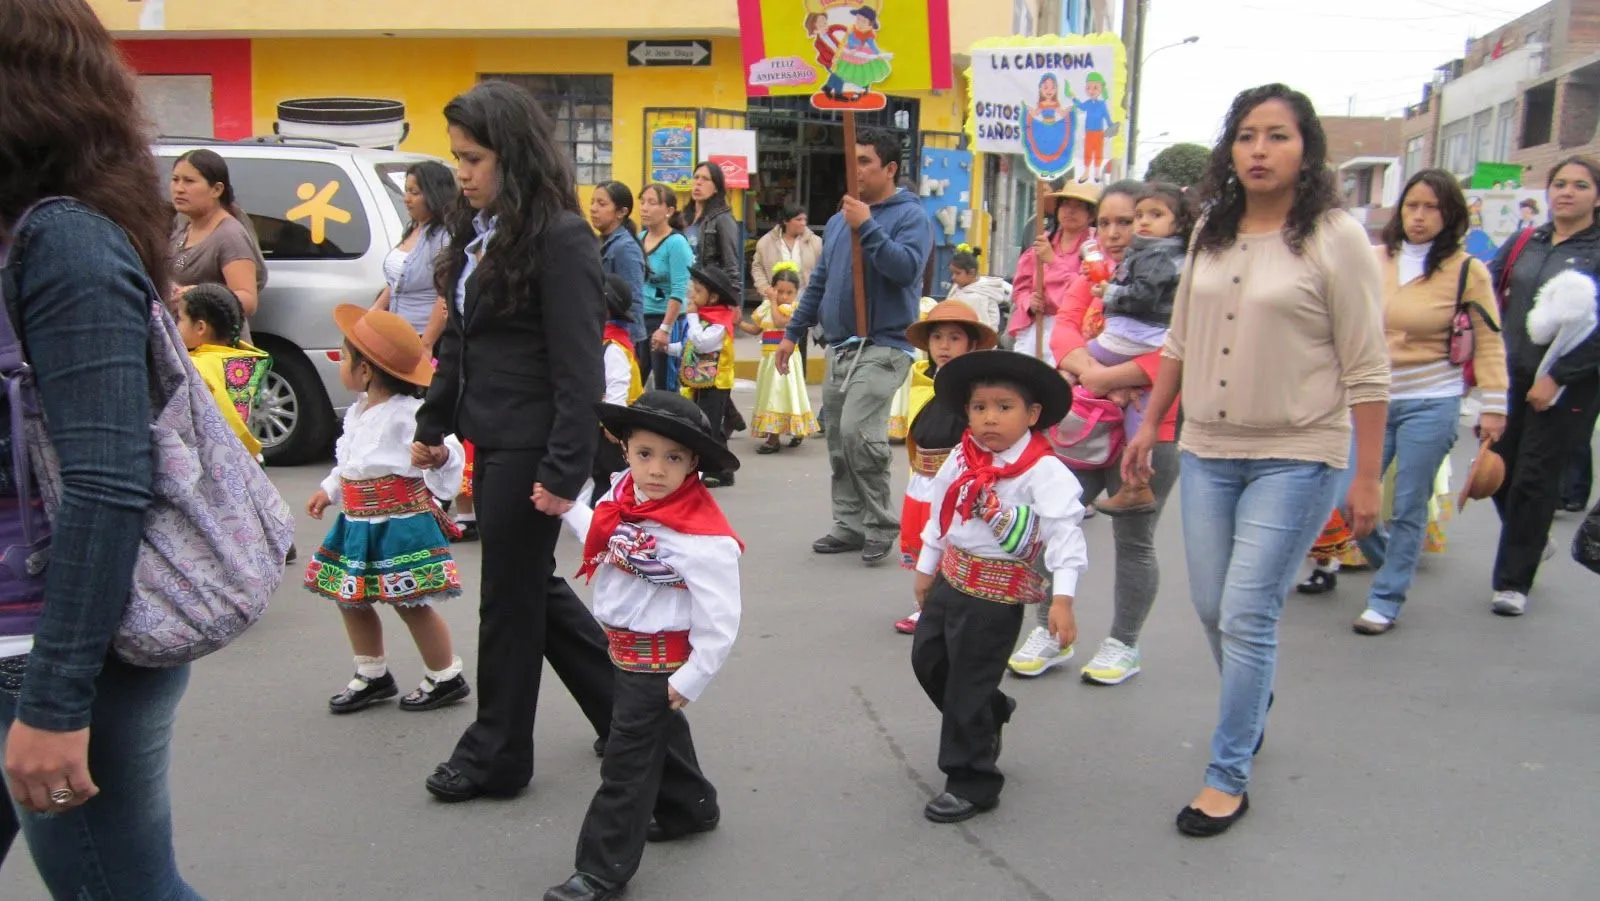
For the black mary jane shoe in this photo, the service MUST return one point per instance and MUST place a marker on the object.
(1319, 582)
(795, 442)
(432, 695)
(767, 448)
(948, 808)
(583, 887)
(658, 833)
(469, 531)
(1199, 824)
(452, 786)
(371, 692)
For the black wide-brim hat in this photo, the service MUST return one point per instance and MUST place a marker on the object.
(672, 416)
(717, 282)
(953, 384)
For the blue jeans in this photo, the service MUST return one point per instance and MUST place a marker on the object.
(118, 846)
(1420, 433)
(1247, 524)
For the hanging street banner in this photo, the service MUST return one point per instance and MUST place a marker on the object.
(1057, 102)
(845, 54)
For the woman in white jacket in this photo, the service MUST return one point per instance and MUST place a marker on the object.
(984, 293)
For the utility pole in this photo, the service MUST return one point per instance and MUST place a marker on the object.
(1133, 26)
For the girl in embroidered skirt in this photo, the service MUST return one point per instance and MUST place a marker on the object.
(900, 412)
(665, 567)
(782, 405)
(950, 330)
(706, 374)
(388, 544)
(623, 382)
(1001, 501)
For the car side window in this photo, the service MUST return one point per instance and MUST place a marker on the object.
(301, 209)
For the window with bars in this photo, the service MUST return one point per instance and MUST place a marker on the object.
(580, 106)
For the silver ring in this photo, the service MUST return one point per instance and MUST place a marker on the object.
(63, 796)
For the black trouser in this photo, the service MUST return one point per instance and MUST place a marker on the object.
(526, 615)
(959, 654)
(1577, 481)
(608, 459)
(649, 769)
(1536, 447)
(714, 402)
(650, 361)
(800, 351)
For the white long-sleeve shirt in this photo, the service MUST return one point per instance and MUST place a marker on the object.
(1054, 495)
(705, 336)
(619, 375)
(377, 442)
(676, 583)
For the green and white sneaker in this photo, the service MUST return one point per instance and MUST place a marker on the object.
(1039, 653)
(1114, 664)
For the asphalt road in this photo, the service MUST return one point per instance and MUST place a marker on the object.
(1453, 758)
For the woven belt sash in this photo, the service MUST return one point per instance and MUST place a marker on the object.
(771, 339)
(645, 652)
(393, 496)
(927, 462)
(998, 580)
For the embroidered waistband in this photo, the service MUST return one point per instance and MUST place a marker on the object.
(646, 652)
(392, 496)
(772, 338)
(927, 462)
(993, 579)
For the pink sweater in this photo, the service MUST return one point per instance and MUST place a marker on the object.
(1058, 275)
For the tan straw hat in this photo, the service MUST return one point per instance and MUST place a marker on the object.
(1073, 190)
(947, 311)
(386, 341)
(1487, 475)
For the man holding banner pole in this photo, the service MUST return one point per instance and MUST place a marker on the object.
(867, 366)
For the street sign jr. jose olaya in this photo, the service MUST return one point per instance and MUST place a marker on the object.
(669, 53)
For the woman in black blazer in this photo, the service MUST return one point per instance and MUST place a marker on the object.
(520, 369)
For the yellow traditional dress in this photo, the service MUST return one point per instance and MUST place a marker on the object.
(782, 405)
(234, 375)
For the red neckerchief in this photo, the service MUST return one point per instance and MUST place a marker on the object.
(867, 35)
(719, 314)
(616, 333)
(980, 473)
(690, 510)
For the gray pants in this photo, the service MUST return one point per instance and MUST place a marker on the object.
(1138, 575)
(858, 439)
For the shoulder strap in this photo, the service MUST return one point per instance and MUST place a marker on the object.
(1504, 286)
(1462, 304)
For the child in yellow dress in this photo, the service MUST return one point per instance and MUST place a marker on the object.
(210, 320)
(782, 405)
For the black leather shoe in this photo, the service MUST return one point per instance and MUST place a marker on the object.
(948, 808)
(1319, 582)
(656, 833)
(1574, 506)
(828, 544)
(432, 695)
(371, 692)
(450, 785)
(469, 531)
(1197, 823)
(583, 887)
(876, 552)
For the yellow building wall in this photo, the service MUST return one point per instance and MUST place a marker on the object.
(254, 18)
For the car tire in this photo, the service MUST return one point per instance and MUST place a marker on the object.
(293, 418)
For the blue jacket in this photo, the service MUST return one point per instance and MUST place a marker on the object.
(620, 254)
(895, 244)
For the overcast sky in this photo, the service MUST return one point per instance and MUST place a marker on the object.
(1372, 54)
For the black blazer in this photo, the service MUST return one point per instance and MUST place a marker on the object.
(529, 379)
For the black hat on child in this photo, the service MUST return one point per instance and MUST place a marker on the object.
(717, 282)
(672, 416)
(953, 384)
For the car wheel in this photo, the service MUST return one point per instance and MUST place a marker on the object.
(293, 419)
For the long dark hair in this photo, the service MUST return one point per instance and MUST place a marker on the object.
(217, 307)
(716, 202)
(1223, 197)
(1576, 160)
(440, 193)
(70, 124)
(214, 169)
(669, 199)
(621, 198)
(1452, 208)
(533, 186)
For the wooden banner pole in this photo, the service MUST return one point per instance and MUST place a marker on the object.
(854, 189)
(1042, 190)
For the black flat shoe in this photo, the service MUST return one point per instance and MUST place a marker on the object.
(795, 442)
(828, 544)
(875, 552)
(1197, 823)
(767, 448)
(469, 532)
(656, 833)
(432, 695)
(371, 692)
(452, 786)
(948, 808)
(1575, 506)
(583, 887)
(1319, 583)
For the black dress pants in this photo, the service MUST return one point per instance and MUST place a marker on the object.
(526, 614)
(959, 655)
(715, 402)
(1536, 448)
(650, 769)
(1577, 482)
(649, 360)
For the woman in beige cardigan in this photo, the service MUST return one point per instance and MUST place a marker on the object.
(790, 240)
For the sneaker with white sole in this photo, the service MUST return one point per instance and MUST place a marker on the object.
(1509, 603)
(1039, 653)
(1114, 664)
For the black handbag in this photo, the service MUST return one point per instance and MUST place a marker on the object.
(1586, 543)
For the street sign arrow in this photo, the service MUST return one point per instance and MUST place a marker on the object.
(669, 53)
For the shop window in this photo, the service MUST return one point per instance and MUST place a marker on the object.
(580, 106)
(1505, 131)
(1538, 115)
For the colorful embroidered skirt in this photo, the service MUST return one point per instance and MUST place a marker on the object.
(466, 474)
(1337, 541)
(782, 405)
(402, 560)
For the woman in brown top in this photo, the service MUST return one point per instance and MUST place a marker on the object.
(211, 242)
(1277, 344)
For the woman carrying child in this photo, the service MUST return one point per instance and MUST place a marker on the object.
(706, 351)
(782, 405)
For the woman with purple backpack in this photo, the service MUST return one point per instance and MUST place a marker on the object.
(81, 271)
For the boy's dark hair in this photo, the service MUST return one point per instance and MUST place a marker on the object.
(391, 383)
(619, 298)
(886, 145)
(1023, 391)
(1182, 210)
(218, 308)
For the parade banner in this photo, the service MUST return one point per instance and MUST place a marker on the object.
(1057, 102)
(845, 54)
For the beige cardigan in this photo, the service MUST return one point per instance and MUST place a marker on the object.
(1417, 320)
(769, 253)
(1276, 347)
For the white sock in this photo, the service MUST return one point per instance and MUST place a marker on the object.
(371, 668)
(448, 673)
(1374, 617)
(1332, 566)
(466, 517)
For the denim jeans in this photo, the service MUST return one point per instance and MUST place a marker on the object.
(1247, 524)
(118, 845)
(1420, 433)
